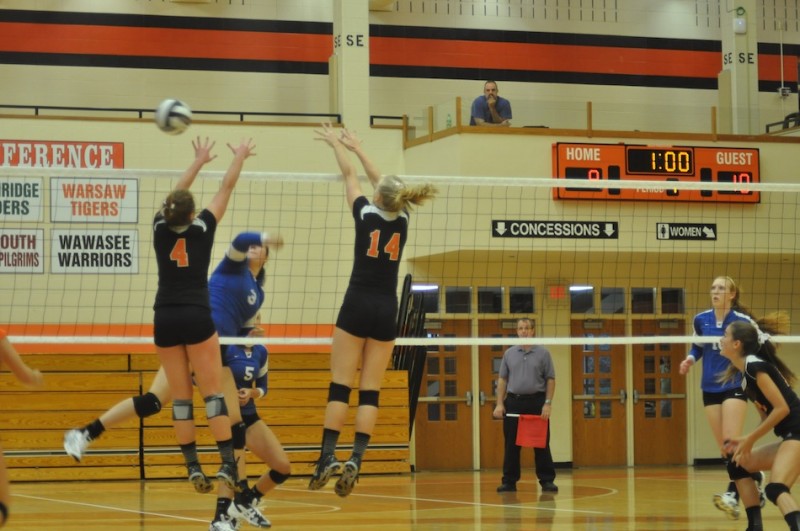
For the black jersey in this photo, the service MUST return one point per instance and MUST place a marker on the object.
(380, 238)
(183, 260)
(754, 365)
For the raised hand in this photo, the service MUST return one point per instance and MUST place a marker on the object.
(244, 149)
(350, 140)
(327, 134)
(274, 240)
(202, 149)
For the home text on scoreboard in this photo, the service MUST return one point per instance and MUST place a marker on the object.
(606, 163)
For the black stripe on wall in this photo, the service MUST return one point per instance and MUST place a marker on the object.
(156, 21)
(530, 37)
(773, 86)
(165, 63)
(571, 78)
(768, 48)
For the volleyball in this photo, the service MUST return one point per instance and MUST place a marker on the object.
(173, 116)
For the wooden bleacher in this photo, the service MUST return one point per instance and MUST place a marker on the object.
(79, 387)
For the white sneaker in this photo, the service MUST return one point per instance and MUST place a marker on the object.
(249, 514)
(75, 443)
(728, 503)
(223, 524)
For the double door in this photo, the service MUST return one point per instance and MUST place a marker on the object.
(622, 417)
(454, 428)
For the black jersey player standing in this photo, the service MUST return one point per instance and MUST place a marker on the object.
(186, 340)
(365, 327)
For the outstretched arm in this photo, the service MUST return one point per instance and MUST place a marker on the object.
(219, 203)
(9, 356)
(353, 143)
(352, 186)
(202, 155)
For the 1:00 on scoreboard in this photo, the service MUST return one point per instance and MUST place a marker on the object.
(606, 163)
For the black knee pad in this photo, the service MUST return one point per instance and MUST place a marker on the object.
(146, 405)
(736, 472)
(368, 398)
(338, 393)
(239, 435)
(215, 406)
(182, 410)
(773, 490)
(4, 512)
(277, 477)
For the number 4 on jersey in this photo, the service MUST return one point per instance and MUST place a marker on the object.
(392, 247)
(178, 253)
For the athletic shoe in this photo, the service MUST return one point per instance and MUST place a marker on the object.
(249, 513)
(228, 474)
(326, 467)
(762, 498)
(199, 479)
(75, 443)
(729, 503)
(223, 524)
(348, 479)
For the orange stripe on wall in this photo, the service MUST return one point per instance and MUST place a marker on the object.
(543, 57)
(159, 42)
(321, 331)
(769, 68)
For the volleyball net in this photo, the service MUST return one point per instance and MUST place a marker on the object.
(77, 263)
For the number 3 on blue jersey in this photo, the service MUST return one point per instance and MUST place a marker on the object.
(392, 247)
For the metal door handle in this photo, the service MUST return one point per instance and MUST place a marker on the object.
(635, 396)
(469, 398)
(482, 398)
(623, 395)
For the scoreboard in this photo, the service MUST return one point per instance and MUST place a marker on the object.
(607, 163)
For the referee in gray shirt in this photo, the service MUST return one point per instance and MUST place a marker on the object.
(525, 385)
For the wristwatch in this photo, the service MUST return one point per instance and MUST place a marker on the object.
(548, 401)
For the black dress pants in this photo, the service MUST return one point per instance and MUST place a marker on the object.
(545, 470)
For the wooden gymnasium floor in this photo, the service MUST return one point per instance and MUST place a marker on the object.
(589, 499)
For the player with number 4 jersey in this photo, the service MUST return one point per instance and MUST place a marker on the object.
(365, 328)
(186, 341)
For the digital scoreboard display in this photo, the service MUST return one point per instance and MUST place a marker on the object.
(659, 165)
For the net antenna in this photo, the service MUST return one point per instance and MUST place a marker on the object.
(411, 357)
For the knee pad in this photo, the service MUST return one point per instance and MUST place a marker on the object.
(368, 398)
(239, 435)
(215, 406)
(182, 410)
(736, 472)
(277, 477)
(773, 490)
(4, 512)
(338, 393)
(146, 405)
